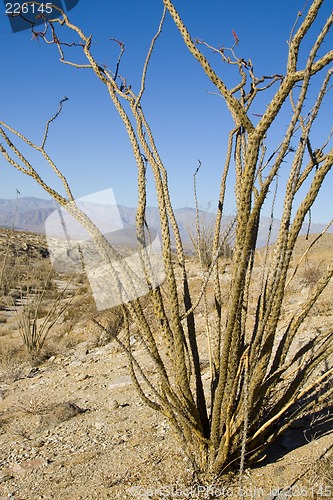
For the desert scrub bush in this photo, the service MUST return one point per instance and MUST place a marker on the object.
(258, 385)
(10, 275)
(311, 273)
(34, 403)
(81, 307)
(38, 312)
(32, 291)
(12, 363)
(112, 321)
(202, 237)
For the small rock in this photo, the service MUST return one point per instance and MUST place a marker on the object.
(81, 376)
(113, 405)
(99, 425)
(132, 340)
(120, 382)
(34, 464)
(75, 362)
(62, 412)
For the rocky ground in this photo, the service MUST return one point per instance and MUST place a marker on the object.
(72, 426)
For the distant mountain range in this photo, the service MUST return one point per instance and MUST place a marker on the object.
(29, 214)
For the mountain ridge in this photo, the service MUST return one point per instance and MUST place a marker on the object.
(30, 213)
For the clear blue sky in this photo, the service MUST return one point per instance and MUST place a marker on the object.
(88, 141)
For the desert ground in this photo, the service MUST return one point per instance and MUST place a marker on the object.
(72, 425)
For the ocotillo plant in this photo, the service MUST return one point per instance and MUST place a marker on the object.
(258, 385)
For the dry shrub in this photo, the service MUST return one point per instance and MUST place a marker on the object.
(34, 403)
(111, 322)
(12, 363)
(311, 273)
